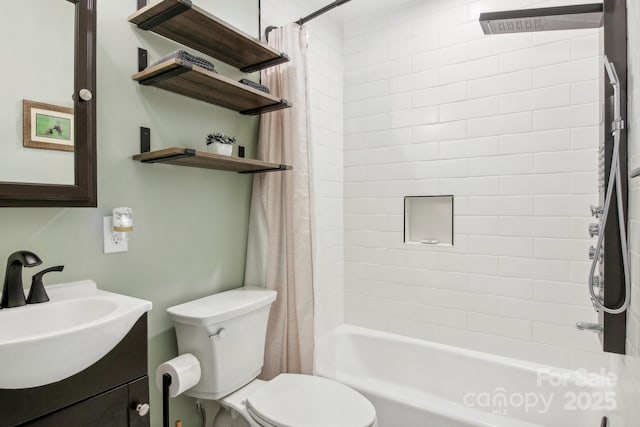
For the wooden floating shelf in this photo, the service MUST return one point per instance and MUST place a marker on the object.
(183, 78)
(192, 26)
(199, 159)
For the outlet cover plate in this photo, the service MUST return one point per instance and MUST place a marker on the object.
(112, 244)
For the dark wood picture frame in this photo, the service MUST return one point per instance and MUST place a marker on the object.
(84, 192)
(28, 126)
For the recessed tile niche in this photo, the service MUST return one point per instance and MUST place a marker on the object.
(428, 220)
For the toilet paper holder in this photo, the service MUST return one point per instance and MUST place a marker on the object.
(174, 377)
(166, 382)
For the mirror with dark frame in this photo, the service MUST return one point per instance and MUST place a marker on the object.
(48, 148)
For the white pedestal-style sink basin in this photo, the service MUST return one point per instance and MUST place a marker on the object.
(48, 342)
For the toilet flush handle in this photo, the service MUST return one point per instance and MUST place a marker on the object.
(220, 333)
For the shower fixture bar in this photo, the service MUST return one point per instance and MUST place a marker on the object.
(543, 19)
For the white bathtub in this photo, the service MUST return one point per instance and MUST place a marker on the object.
(416, 383)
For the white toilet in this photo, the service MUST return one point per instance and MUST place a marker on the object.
(226, 333)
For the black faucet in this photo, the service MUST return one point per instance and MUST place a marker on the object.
(37, 293)
(13, 291)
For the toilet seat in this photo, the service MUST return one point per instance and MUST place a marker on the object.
(293, 400)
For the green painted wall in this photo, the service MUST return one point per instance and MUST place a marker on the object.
(190, 224)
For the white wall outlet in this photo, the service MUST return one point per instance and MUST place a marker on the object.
(111, 243)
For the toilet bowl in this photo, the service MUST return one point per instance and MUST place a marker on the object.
(292, 400)
(226, 332)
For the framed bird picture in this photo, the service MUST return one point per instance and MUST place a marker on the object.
(47, 126)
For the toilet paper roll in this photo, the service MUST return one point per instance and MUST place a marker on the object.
(185, 373)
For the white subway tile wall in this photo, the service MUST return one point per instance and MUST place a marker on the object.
(510, 125)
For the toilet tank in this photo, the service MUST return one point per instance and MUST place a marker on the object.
(226, 333)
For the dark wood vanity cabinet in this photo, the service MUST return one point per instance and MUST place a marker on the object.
(107, 409)
(114, 408)
(104, 395)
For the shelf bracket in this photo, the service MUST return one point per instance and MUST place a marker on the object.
(183, 68)
(145, 140)
(188, 152)
(278, 169)
(142, 59)
(267, 108)
(266, 64)
(161, 18)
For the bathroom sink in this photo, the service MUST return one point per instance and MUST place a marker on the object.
(44, 343)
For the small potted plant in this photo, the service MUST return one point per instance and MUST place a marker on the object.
(219, 143)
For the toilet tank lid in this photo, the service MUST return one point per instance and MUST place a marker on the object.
(222, 306)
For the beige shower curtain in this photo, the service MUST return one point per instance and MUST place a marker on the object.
(279, 249)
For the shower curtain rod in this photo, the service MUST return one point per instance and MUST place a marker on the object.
(321, 11)
(310, 16)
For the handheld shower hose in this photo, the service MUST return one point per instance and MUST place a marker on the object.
(615, 181)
